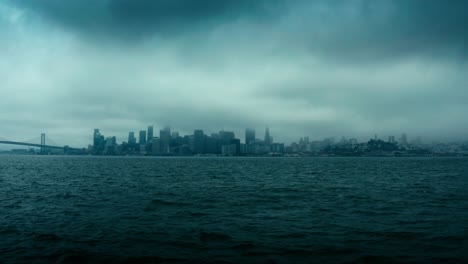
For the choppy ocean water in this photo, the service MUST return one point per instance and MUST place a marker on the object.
(233, 210)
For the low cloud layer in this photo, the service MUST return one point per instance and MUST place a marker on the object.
(304, 68)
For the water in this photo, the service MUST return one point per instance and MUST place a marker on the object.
(239, 210)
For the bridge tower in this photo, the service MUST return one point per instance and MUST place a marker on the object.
(43, 143)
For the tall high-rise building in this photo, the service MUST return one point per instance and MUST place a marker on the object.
(131, 138)
(236, 142)
(142, 138)
(150, 134)
(98, 142)
(226, 137)
(198, 141)
(110, 146)
(165, 140)
(267, 136)
(96, 137)
(249, 135)
(403, 140)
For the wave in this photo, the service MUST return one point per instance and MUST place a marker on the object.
(211, 236)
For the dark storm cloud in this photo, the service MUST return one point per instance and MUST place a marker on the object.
(134, 19)
(363, 30)
(359, 30)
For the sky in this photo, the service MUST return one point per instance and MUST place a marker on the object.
(321, 68)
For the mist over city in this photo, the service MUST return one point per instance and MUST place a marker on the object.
(304, 68)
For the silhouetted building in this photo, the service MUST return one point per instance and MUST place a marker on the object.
(267, 136)
(142, 138)
(228, 150)
(249, 135)
(236, 142)
(96, 137)
(243, 149)
(278, 148)
(131, 138)
(177, 141)
(403, 140)
(226, 137)
(150, 134)
(198, 142)
(110, 146)
(165, 139)
(98, 142)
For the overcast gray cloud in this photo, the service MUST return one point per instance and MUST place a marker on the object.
(136, 20)
(305, 68)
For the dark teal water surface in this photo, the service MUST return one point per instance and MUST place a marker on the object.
(234, 210)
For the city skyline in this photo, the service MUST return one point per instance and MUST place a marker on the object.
(137, 134)
(170, 142)
(226, 143)
(151, 130)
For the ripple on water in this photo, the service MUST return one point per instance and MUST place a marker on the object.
(252, 210)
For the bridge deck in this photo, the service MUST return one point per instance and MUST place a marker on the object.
(34, 145)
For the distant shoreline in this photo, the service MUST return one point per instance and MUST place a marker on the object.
(238, 157)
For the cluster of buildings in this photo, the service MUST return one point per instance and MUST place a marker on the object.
(169, 143)
(225, 143)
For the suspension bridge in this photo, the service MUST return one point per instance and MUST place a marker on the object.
(40, 143)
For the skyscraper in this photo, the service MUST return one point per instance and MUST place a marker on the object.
(267, 136)
(142, 138)
(403, 140)
(198, 141)
(249, 135)
(150, 134)
(96, 137)
(110, 146)
(237, 144)
(98, 142)
(131, 138)
(165, 140)
(226, 137)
